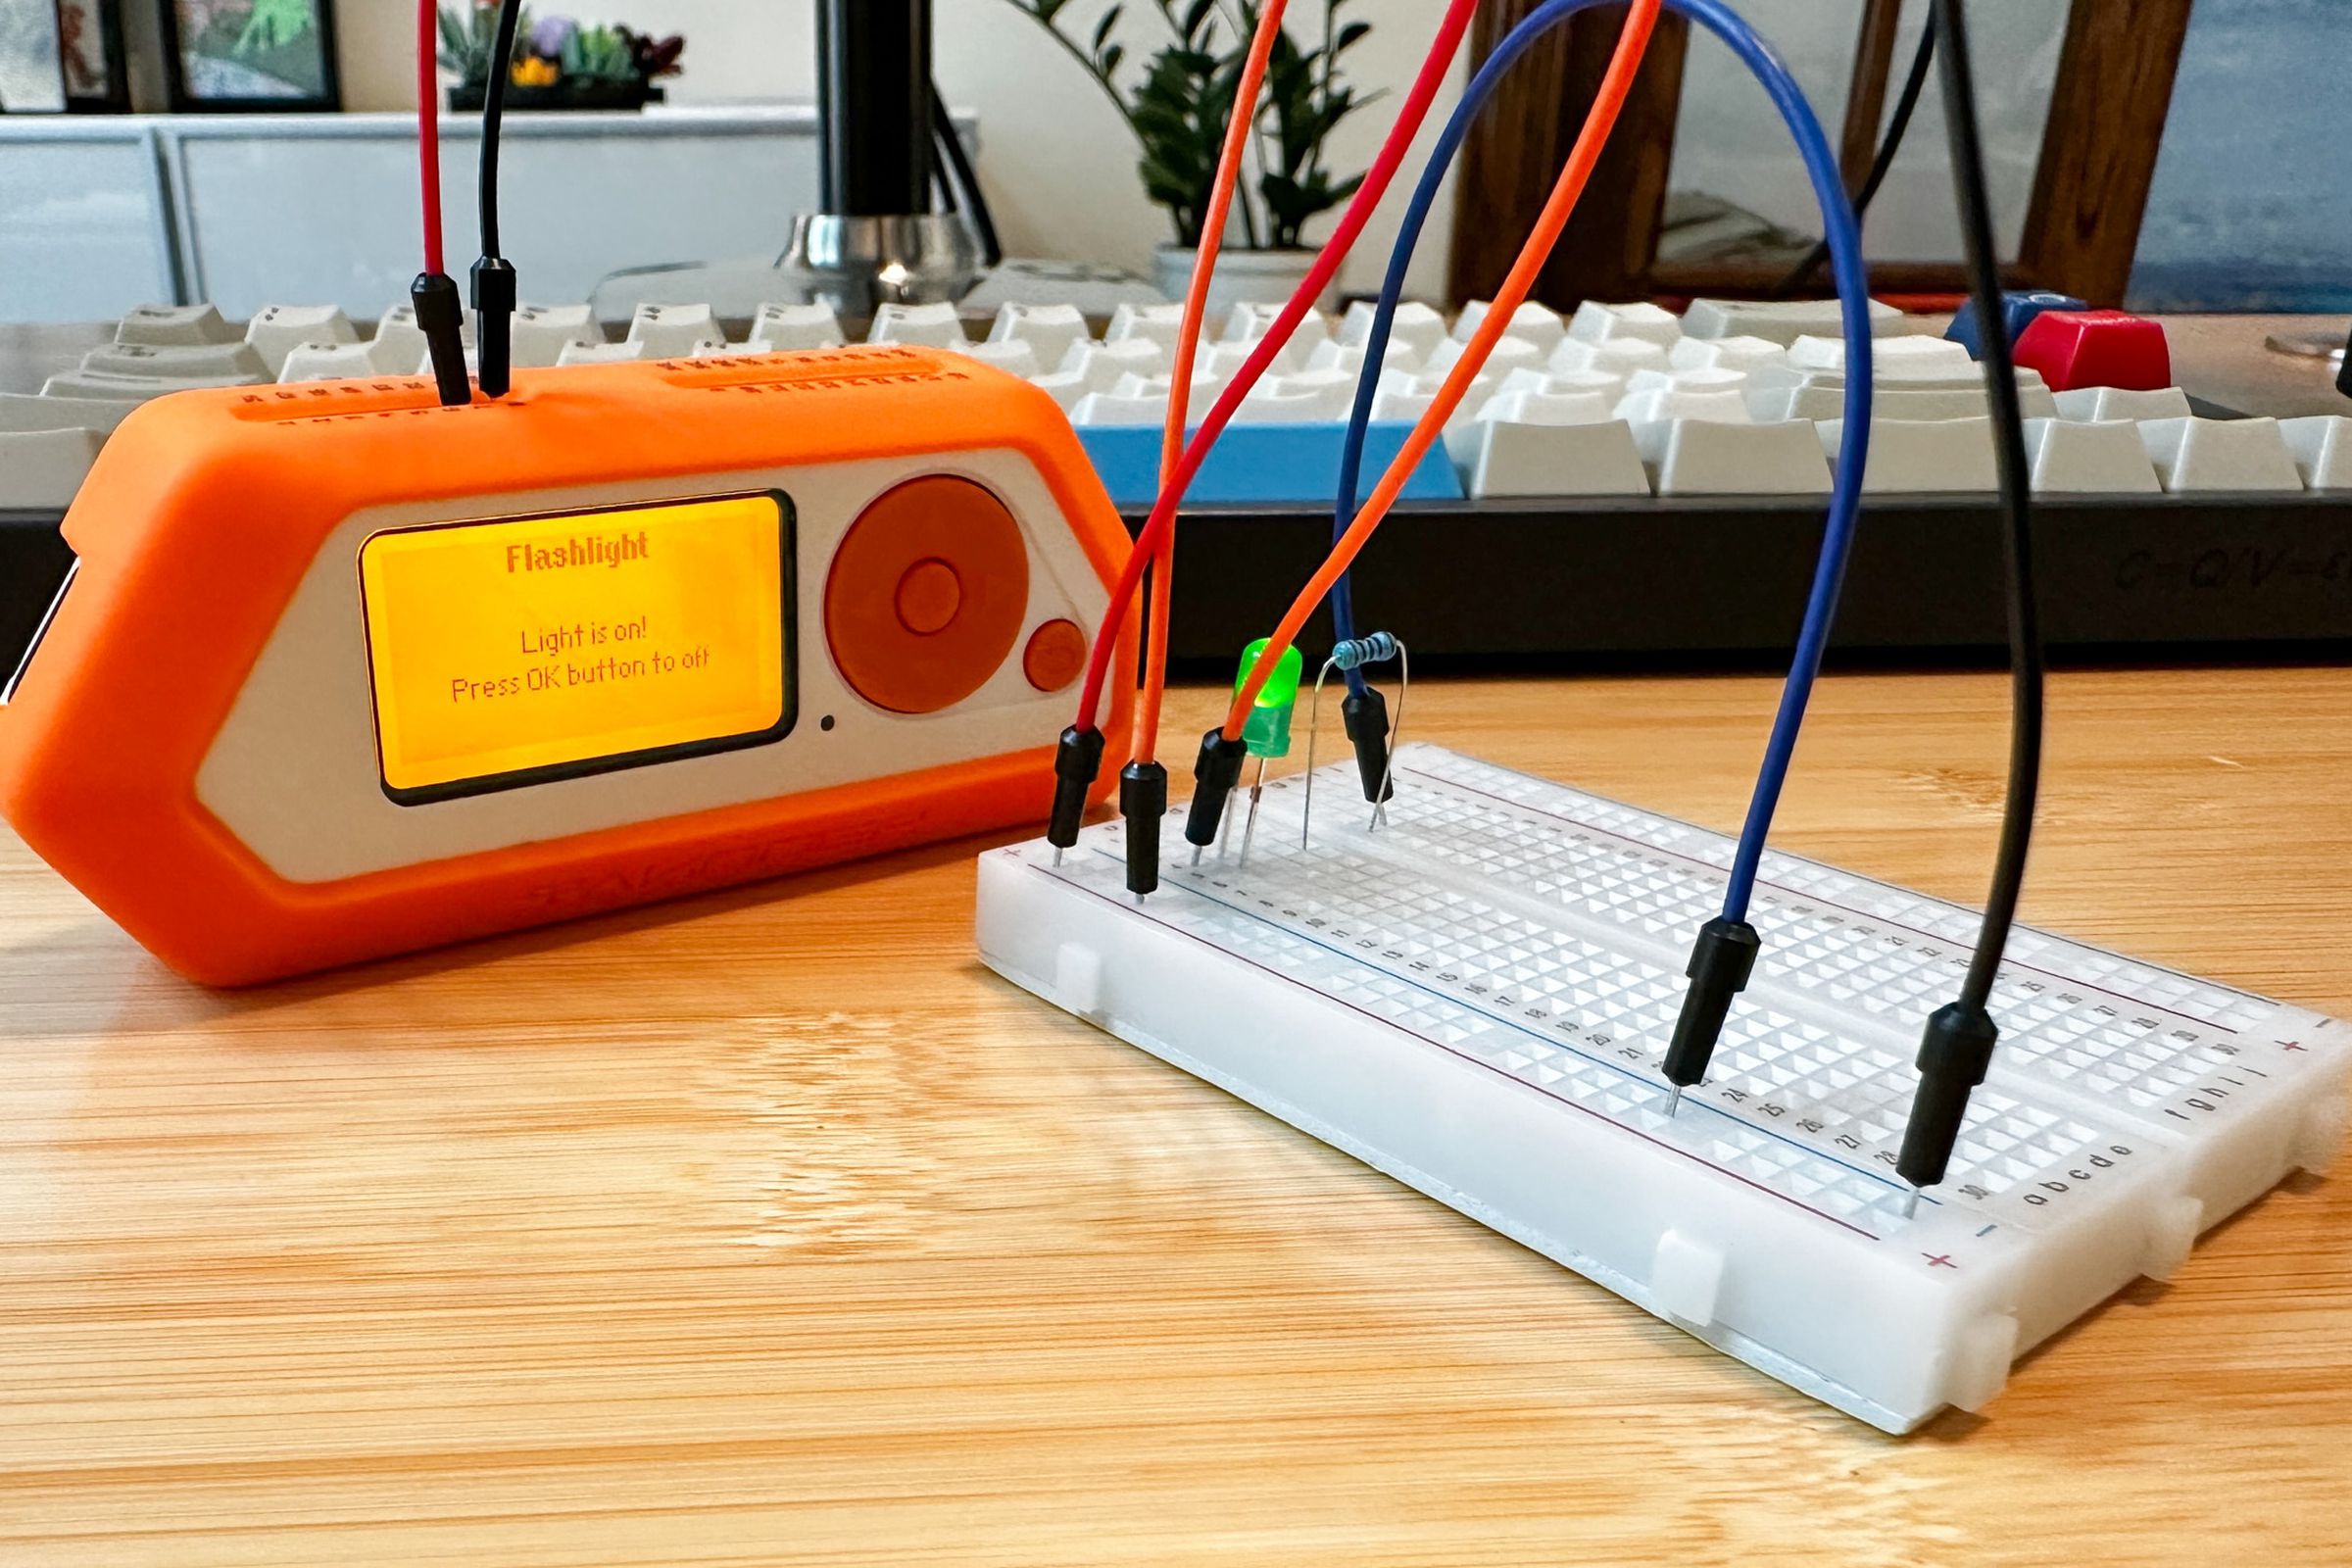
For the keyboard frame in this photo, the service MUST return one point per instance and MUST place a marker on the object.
(1643, 581)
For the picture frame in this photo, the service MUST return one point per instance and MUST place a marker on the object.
(93, 56)
(250, 56)
(32, 78)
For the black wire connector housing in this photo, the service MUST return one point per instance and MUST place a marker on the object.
(1953, 1055)
(1142, 802)
(1365, 714)
(1721, 960)
(494, 323)
(1077, 763)
(441, 317)
(1214, 776)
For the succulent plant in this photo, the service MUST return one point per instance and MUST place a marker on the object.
(552, 49)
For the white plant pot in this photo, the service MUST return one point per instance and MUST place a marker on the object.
(1243, 277)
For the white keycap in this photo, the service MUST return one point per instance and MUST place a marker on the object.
(1349, 357)
(128, 388)
(1224, 360)
(1595, 323)
(712, 348)
(1413, 324)
(1893, 359)
(1522, 407)
(1065, 388)
(1782, 322)
(1510, 354)
(1826, 400)
(1110, 408)
(2192, 454)
(1162, 325)
(1608, 388)
(1048, 329)
(540, 333)
(1199, 393)
(1531, 322)
(1617, 356)
(1547, 408)
(1687, 395)
(1335, 388)
(607, 352)
(400, 346)
(173, 326)
(44, 467)
(1101, 365)
(669, 331)
(1503, 457)
(1699, 380)
(1910, 457)
(25, 413)
(334, 362)
(2083, 404)
(781, 329)
(1913, 378)
(2068, 457)
(1400, 404)
(1901, 402)
(1274, 401)
(211, 363)
(277, 330)
(1248, 322)
(1724, 354)
(2322, 447)
(938, 327)
(1712, 457)
(1014, 358)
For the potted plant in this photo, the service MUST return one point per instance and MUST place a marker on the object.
(558, 64)
(1177, 107)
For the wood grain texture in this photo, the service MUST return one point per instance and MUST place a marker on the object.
(2098, 155)
(1866, 99)
(769, 1228)
(1515, 149)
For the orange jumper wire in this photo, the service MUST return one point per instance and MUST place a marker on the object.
(1188, 345)
(1631, 45)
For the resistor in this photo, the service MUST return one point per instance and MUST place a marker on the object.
(1356, 652)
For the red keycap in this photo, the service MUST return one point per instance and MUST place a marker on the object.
(2097, 348)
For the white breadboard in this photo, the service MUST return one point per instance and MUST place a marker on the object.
(1475, 999)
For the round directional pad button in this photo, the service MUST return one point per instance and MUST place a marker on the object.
(926, 594)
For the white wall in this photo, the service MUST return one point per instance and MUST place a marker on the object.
(1055, 159)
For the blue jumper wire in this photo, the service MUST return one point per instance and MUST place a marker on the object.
(1843, 236)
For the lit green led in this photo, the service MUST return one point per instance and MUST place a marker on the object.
(1269, 732)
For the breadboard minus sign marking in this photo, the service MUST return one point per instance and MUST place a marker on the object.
(1487, 1067)
(1620, 1068)
(1717, 873)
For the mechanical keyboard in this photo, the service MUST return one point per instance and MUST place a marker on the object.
(1628, 481)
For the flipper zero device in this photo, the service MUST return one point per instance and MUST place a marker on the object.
(340, 673)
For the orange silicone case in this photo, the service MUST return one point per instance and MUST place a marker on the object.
(207, 507)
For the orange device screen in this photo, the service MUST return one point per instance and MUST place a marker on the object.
(517, 651)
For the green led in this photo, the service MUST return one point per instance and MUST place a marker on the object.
(1269, 732)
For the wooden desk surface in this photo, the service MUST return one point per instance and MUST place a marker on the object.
(769, 1228)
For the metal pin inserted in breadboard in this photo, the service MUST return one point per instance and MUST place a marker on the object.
(1474, 999)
